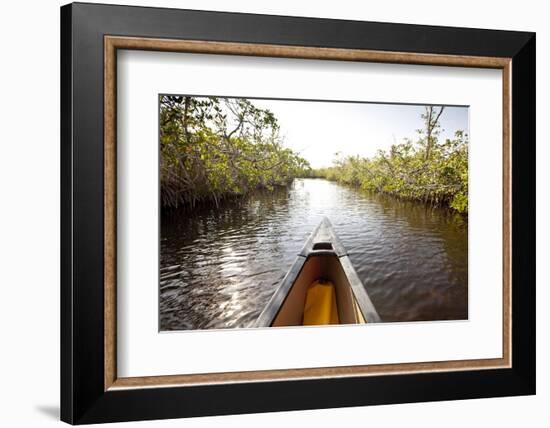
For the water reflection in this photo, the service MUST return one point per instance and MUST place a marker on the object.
(219, 267)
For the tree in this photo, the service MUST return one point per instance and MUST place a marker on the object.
(431, 129)
(426, 170)
(213, 147)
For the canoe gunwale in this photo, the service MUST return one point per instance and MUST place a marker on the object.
(363, 300)
(271, 310)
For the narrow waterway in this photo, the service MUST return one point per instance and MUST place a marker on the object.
(219, 267)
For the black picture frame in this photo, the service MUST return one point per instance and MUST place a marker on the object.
(83, 398)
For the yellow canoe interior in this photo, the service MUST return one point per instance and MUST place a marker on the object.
(320, 295)
(320, 307)
(320, 288)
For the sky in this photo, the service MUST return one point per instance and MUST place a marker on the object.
(319, 129)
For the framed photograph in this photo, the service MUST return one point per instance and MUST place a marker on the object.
(265, 213)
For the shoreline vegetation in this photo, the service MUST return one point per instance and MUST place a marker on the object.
(213, 149)
(424, 170)
(217, 148)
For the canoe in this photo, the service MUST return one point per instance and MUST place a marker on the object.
(321, 281)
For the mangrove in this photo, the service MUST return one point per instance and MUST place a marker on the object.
(425, 170)
(212, 148)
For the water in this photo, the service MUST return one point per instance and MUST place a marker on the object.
(219, 267)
